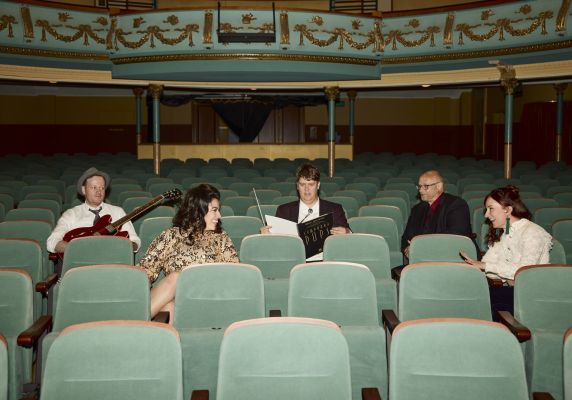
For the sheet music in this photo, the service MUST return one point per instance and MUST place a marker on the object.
(282, 226)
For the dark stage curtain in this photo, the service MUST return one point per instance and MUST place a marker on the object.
(246, 120)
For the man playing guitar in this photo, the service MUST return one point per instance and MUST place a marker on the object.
(92, 185)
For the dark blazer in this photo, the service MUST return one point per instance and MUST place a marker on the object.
(452, 216)
(290, 211)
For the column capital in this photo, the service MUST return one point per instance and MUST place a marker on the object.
(138, 91)
(155, 90)
(352, 94)
(507, 77)
(560, 87)
(332, 92)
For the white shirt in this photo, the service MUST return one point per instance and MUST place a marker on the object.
(526, 244)
(305, 216)
(80, 217)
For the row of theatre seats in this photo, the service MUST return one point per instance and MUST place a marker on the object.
(352, 288)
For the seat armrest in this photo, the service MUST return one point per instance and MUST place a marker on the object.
(44, 286)
(200, 395)
(370, 394)
(162, 316)
(521, 332)
(494, 282)
(275, 313)
(396, 273)
(30, 336)
(542, 396)
(389, 319)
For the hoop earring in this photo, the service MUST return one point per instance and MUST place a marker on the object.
(507, 226)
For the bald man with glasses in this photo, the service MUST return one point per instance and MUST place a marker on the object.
(437, 212)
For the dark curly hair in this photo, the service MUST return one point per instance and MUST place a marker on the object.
(507, 196)
(193, 208)
(308, 171)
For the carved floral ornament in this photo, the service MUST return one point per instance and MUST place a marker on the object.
(174, 30)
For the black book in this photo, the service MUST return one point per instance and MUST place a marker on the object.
(315, 232)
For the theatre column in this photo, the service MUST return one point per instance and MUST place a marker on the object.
(508, 82)
(156, 91)
(138, 92)
(352, 94)
(560, 89)
(331, 94)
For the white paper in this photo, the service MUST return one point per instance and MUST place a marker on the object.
(281, 225)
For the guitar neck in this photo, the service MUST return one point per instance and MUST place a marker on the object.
(136, 212)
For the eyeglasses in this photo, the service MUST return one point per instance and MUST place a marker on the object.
(426, 187)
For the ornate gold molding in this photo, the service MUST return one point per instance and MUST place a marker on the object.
(395, 36)
(239, 56)
(6, 21)
(562, 15)
(352, 94)
(284, 29)
(507, 77)
(24, 51)
(27, 21)
(448, 32)
(208, 28)
(342, 36)
(332, 92)
(155, 91)
(138, 91)
(480, 53)
(155, 32)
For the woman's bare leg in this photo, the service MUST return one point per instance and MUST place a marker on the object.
(163, 293)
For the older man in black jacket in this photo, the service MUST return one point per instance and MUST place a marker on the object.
(437, 212)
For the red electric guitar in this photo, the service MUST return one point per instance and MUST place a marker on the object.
(104, 226)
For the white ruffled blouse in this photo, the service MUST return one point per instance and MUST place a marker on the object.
(526, 244)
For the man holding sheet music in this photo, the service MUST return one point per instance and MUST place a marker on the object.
(310, 206)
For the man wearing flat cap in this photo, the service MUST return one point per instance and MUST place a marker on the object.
(92, 185)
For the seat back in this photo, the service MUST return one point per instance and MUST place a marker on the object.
(392, 212)
(24, 254)
(381, 226)
(151, 228)
(96, 250)
(275, 255)
(267, 209)
(440, 247)
(240, 226)
(127, 360)
(34, 230)
(441, 289)
(216, 295)
(562, 231)
(16, 315)
(53, 205)
(542, 296)
(102, 292)
(240, 204)
(282, 359)
(568, 364)
(27, 214)
(349, 204)
(341, 292)
(546, 216)
(3, 368)
(363, 248)
(399, 202)
(424, 361)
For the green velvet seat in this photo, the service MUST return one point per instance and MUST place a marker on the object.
(244, 188)
(151, 228)
(443, 289)
(16, 315)
(370, 189)
(27, 214)
(115, 189)
(350, 204)
(123, 196)
(359, 195)
(392, 212)
(25, 254)
(267, 209)
(546, 216)
(567, 355)
(455, 358)
(266, 196)
(240, 226)
(405, 186)
(541, 202)
(129, 360)
(275, 255)
(345, 293)
(98, 293)
(543, 303)
(210, 297)
(557, 254)
(96, 250)
(371, 251)
(283, 187)
(396, 201)
(283, 359)
(3, 368)
(285, 199)
(440, 247)
(53, 205)
(382, 226)
(240, 203)
(157, 179)
(562, 231)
